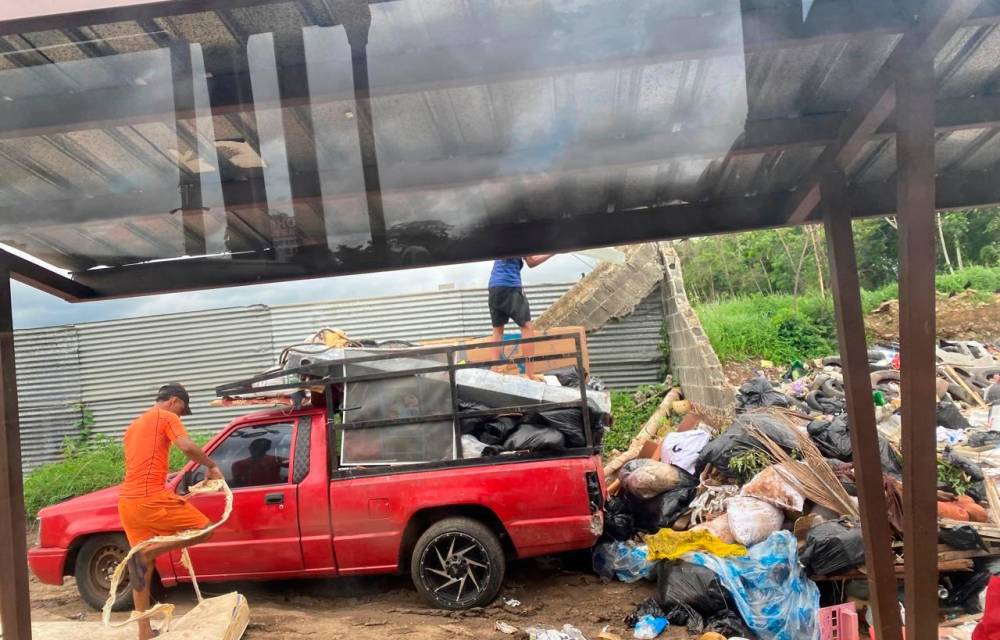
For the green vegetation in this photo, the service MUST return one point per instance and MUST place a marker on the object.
(793, 261)
(630, 415)
(783, 327)
(749, 464)
(952, 476)
(766, 294)
(88, 464)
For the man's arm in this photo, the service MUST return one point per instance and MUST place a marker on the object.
(195, 454)
(534, 261)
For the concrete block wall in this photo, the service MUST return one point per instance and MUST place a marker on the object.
(692, 360)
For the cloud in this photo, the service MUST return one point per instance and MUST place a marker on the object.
(33, 308)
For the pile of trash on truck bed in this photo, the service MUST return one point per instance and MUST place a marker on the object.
(749, 526)
(399, 389)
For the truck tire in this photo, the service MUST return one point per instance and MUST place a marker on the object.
(95, 563)
(458, 563)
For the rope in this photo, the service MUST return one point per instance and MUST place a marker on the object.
(164, 609)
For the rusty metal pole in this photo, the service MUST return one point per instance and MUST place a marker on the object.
(879, 558)
(15, 602)
(915, 203)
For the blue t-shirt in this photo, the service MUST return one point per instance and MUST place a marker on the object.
(506, 273)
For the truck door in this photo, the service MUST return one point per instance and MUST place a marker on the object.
(262, 534)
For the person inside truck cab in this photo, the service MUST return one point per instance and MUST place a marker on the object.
(147, 508)
(508, 302)
(260, 467)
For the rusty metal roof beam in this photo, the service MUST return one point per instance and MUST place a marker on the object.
(940, 20)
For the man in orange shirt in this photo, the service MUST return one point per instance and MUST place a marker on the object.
(146, 506)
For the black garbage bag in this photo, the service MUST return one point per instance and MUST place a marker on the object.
(497, 430)
(474, 425)
(970, 468)
(950, 416)
(977, 491)
(662, 511)
(728, 623)
(570, 377)
(964, 589)
(681, 615)
(618, 522)
(832, 437)
(529, 437)
(891, 465)
(758, 392)
(963, 538)
(683, 583)
(646, 607)
(569, 422)
(983, 439)
(832, 547)
(736, 441)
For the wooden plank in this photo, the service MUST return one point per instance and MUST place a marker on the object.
(860, 408)
(15, 603)
(915, 90)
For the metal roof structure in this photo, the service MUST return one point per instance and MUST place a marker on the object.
(268, 140)
(162, 145)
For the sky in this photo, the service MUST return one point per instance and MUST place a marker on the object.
(33, 308)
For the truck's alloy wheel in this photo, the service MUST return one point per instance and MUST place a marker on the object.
(458, 563)
(95, 563)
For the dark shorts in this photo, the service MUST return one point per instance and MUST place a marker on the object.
(509, 303)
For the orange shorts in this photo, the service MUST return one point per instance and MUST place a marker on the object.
(161, 514)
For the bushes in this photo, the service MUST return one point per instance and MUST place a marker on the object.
(86, 466)
(629, 417)
(782, 328)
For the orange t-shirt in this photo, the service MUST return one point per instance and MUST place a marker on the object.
(147, 448)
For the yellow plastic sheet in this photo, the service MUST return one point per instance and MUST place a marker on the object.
(668, 544)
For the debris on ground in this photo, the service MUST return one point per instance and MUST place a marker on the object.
(747, 523)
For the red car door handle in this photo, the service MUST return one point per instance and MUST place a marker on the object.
(274, 498)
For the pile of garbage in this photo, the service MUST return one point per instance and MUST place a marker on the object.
(402, 382)
(747, 526)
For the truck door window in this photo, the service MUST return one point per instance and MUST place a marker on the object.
(255, 456)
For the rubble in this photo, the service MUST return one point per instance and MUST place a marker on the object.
(785, 462)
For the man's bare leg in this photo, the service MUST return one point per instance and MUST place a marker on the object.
(496, 337)
(528, 349)
(141, 575)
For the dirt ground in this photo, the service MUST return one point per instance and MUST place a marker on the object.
(552, 591)
(959, 317)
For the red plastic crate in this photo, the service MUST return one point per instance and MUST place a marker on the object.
(839, 622)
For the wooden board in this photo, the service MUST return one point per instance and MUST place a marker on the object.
(473, 354)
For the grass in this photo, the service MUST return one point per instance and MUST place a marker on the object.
(782, 328)
(85, 467)
(629, 417)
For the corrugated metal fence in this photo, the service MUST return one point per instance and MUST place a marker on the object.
(113, 368)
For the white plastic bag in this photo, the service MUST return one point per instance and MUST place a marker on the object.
(681, 448)
(752, 520)
(772, 487)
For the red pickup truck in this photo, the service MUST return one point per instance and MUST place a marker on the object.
(298, 513)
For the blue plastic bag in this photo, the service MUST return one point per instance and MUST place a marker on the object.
(649, 627)
(769, 587)
(625, 561)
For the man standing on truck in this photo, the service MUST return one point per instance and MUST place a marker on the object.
(508, 302)
(147, 508)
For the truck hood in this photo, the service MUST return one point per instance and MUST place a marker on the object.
(88, 502)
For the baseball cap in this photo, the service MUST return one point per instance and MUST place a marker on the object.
(176, 390)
